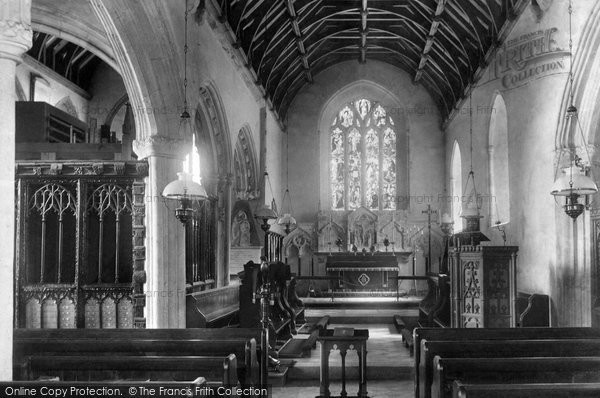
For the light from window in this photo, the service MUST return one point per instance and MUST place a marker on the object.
(363, 157)
(191, 164)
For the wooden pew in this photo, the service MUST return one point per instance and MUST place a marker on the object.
(212, 308)
(248, 366)
(245, 342)
(531, 390)
(498, 349)
(511, 370)
(170, 334)
(176, 389)
(221, 370)
(447, 334)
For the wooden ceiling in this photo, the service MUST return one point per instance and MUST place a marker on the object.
(443, 44)
(65, 58)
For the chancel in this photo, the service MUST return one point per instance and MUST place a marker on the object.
(305, 198)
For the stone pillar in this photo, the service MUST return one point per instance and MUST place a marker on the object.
(165, 235)
(15, 39)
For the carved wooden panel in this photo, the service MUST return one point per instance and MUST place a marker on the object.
(483, 286)
(92, 314)
(498, 282)
(109, 314)
(472, 303)
(67, 315)
(49, 314)
(33, 312)
(125, 314)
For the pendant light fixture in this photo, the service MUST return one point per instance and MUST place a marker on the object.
(185, 189)
(287, 220)
(266, 213)
(471, 209)
(574, 183)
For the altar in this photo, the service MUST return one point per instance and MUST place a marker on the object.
(364, 272)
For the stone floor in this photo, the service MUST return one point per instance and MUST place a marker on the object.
(389, 367)
(375, 389)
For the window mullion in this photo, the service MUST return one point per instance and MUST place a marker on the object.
(363, 166)
(346, 182)
(380, 174)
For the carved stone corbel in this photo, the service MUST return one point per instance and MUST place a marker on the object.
(159, 145)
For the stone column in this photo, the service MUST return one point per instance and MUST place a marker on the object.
(15, 39)
(165, 235)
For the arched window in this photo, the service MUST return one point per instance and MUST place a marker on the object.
(498, 150)
(363, 157)
(456, 183)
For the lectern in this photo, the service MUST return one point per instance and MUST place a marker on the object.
(483, 286)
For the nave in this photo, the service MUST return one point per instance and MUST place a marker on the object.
(206, 192)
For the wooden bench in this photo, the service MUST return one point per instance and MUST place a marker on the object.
(175, 389)
(247, 367)
(498, 349)
(218, 370)
(139, 334)
(244, 343)
(212, 308)
(511, 370)
(531, 390)
(451, 334)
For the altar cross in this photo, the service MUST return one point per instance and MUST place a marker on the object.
(402, 231)
(429, 212)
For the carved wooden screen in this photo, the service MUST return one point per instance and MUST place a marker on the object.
(80, 245)
(201, 244)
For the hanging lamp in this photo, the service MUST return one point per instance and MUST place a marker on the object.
(574, 183)
(287, 220)
(185, 189)
(471, 209)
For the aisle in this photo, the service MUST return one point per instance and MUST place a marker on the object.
(389, 367)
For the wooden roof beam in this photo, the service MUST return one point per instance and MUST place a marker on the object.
(435, 24)
(364, 31)
(299, 39)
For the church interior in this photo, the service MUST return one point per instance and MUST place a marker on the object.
(322, 197)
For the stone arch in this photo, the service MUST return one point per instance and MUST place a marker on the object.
(394, 107)
(214, 146)
(115, 109)
(586, 86)
(66, 105)
(245, 165)
(456, 186)
(130, 71)
(498, 162)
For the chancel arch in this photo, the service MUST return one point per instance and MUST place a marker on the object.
(456, 187)
(499, 166)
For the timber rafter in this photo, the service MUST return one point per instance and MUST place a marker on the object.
(443, 44)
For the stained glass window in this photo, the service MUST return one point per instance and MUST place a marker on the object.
(363, 157)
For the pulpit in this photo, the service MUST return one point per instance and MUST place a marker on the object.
(483, 286)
